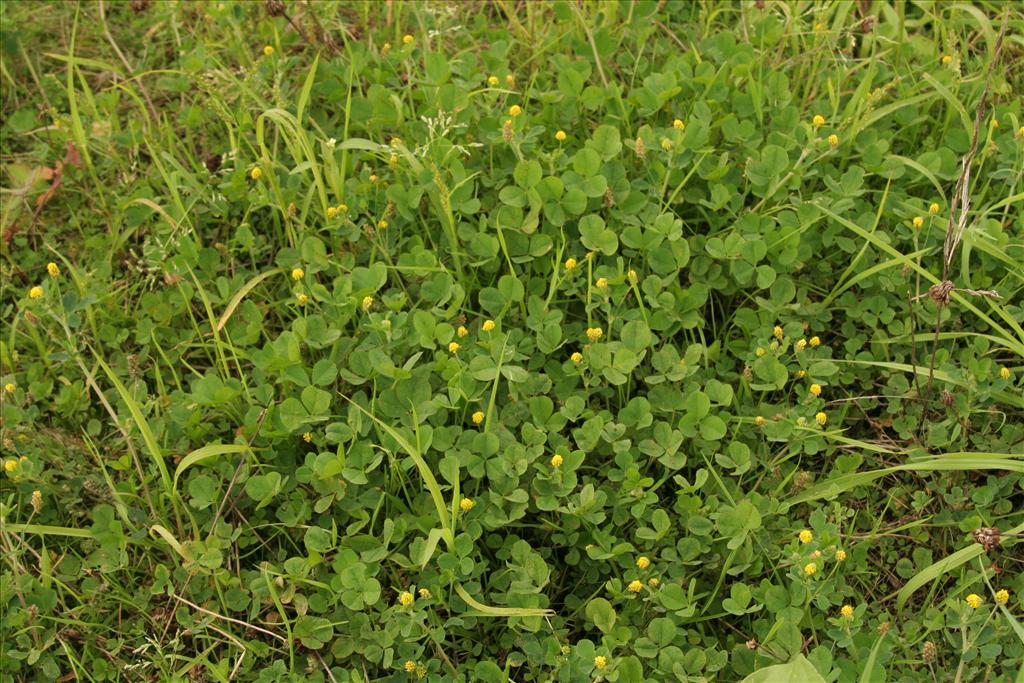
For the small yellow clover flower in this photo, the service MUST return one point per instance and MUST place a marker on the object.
(10, 465)
(425, 593)
(307, 437)
(492, 81)
(815, 341)
(933, 208)
(462, 331)
(974, 601)
(821, 418)
(917, 222)
(405, 598)
(810, 569)
(268, 50)
(37, 505)
(846, 611)
(1004, 372)
(643, 562)
(557, 460)
(594, 333)
(255, 173)
(816, 389)
(453, 347)
(635, 586)
(759, 420)
(478, 417)
(488, 325)
(801, 345)
(466, 504)
(515, 110)
(36, 292)
(9, 387)
(302, 298)
(600, 662)
(947, 59)
(410, 666)
(818, 120)
(678, 124)
(840, 555)
(576, 357)
(1002, 595)
(53, 269)
(602, 283)
(407, 39)
(367, 302)
(806, 536)
(570, 263)
(833, 140)
(560, 136)
(297, 273)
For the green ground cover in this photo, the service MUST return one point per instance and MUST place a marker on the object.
(512, 341)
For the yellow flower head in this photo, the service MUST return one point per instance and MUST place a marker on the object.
(374, 178)
(453, 347)
(947, 59)
(255, 173)
(425, 593)
(405, 598)
(331, 212)
(678, 124)
(307, 437)
(833, 140)
(653, 582)
(1004, 372)
(759, 352)
(816, 389)
(515, 110)
(407, 39)
(297, 273)
(302, 298)
(917, 222)
(488, 325)
(632, 275)
(635, 586)
(570, 263)
(462, 331)
(53, 269)
(933, 208)
(777, 332)
(759, 420)
(36, 292)
(974, 601)
(10, 465)
(382, 224)
(367, 302)
(643, 562)
(594, 333)
(815, 341)
(510, 80)
(601, 282)
(478, 417)
(810, 569)
(576, 357)
(560, 136)
(1002, 595)
(801, 345)
(818, 120)
(816, 554)
(410, 666)
(385, 47)
(666, 144)
(806, 536)
(800, 374)
(9, 387)
(37, 505)
(492, 81)
(395, 141)
(466, 504)
(268, 50)
(557, 460)
(821, 418)
(840, 555)
(846, 611)
(342, 208)
(600, 662)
